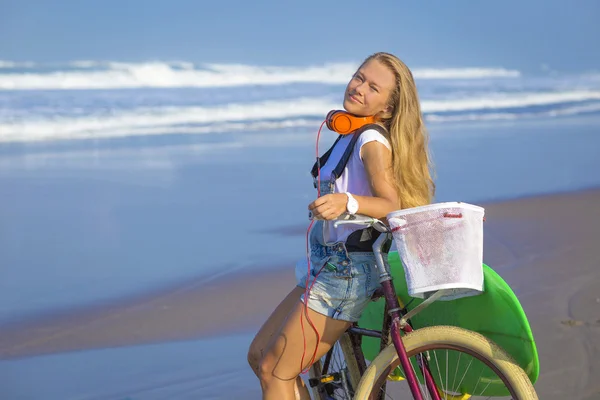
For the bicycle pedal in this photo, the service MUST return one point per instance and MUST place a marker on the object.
(395, 378)
(325, 379)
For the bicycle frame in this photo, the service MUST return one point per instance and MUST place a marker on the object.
(397, 323)
(394, 320)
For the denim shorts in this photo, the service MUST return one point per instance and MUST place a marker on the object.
(344, 281)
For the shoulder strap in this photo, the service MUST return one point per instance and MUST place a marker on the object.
(323, 159)
(339, 169)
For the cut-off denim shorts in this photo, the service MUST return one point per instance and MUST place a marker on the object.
(345, 281)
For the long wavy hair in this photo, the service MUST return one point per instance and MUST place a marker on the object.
(411, 161)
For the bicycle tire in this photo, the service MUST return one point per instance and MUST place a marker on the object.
(315, 372)
(453, 338)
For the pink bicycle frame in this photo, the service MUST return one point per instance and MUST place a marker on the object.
(394, 319)
(398, 323)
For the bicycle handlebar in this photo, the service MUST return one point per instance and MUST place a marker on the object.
(362, 220)
(378, 225)
(381, 240)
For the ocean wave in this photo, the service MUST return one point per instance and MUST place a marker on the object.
(559, 112)
(15, 64)
(117, 75)
(160, 120)
(268, 115)
(508, 100)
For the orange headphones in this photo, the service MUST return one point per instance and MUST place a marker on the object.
(344, 123)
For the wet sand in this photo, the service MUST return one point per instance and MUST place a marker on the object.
(547, 248)
(187, 312)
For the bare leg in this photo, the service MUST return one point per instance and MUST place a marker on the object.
(280, 365)
(271, 326)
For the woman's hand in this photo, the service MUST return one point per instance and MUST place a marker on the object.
(329, 206)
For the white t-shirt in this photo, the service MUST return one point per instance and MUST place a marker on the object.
(353, 179)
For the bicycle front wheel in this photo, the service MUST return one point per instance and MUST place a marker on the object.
(464, 365)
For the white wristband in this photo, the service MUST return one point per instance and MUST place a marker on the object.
(352, 204)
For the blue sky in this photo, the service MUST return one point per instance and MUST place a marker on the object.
(438, 33)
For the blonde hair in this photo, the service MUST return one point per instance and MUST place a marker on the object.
(411, 162)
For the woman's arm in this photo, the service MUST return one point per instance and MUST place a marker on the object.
(377, 159)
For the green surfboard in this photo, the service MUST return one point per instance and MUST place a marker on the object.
(496, 314)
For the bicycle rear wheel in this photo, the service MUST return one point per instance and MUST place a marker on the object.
(464, 365)
(336, 375)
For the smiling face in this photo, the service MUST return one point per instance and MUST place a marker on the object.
(369, 90)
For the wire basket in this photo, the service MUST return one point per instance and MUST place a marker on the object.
(441, 247)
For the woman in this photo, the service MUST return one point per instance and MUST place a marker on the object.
(388, 168)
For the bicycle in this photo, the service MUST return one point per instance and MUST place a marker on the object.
(406, 365)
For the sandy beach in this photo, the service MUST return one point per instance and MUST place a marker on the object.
(545, 247)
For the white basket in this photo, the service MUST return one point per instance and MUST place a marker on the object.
(441, 247)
